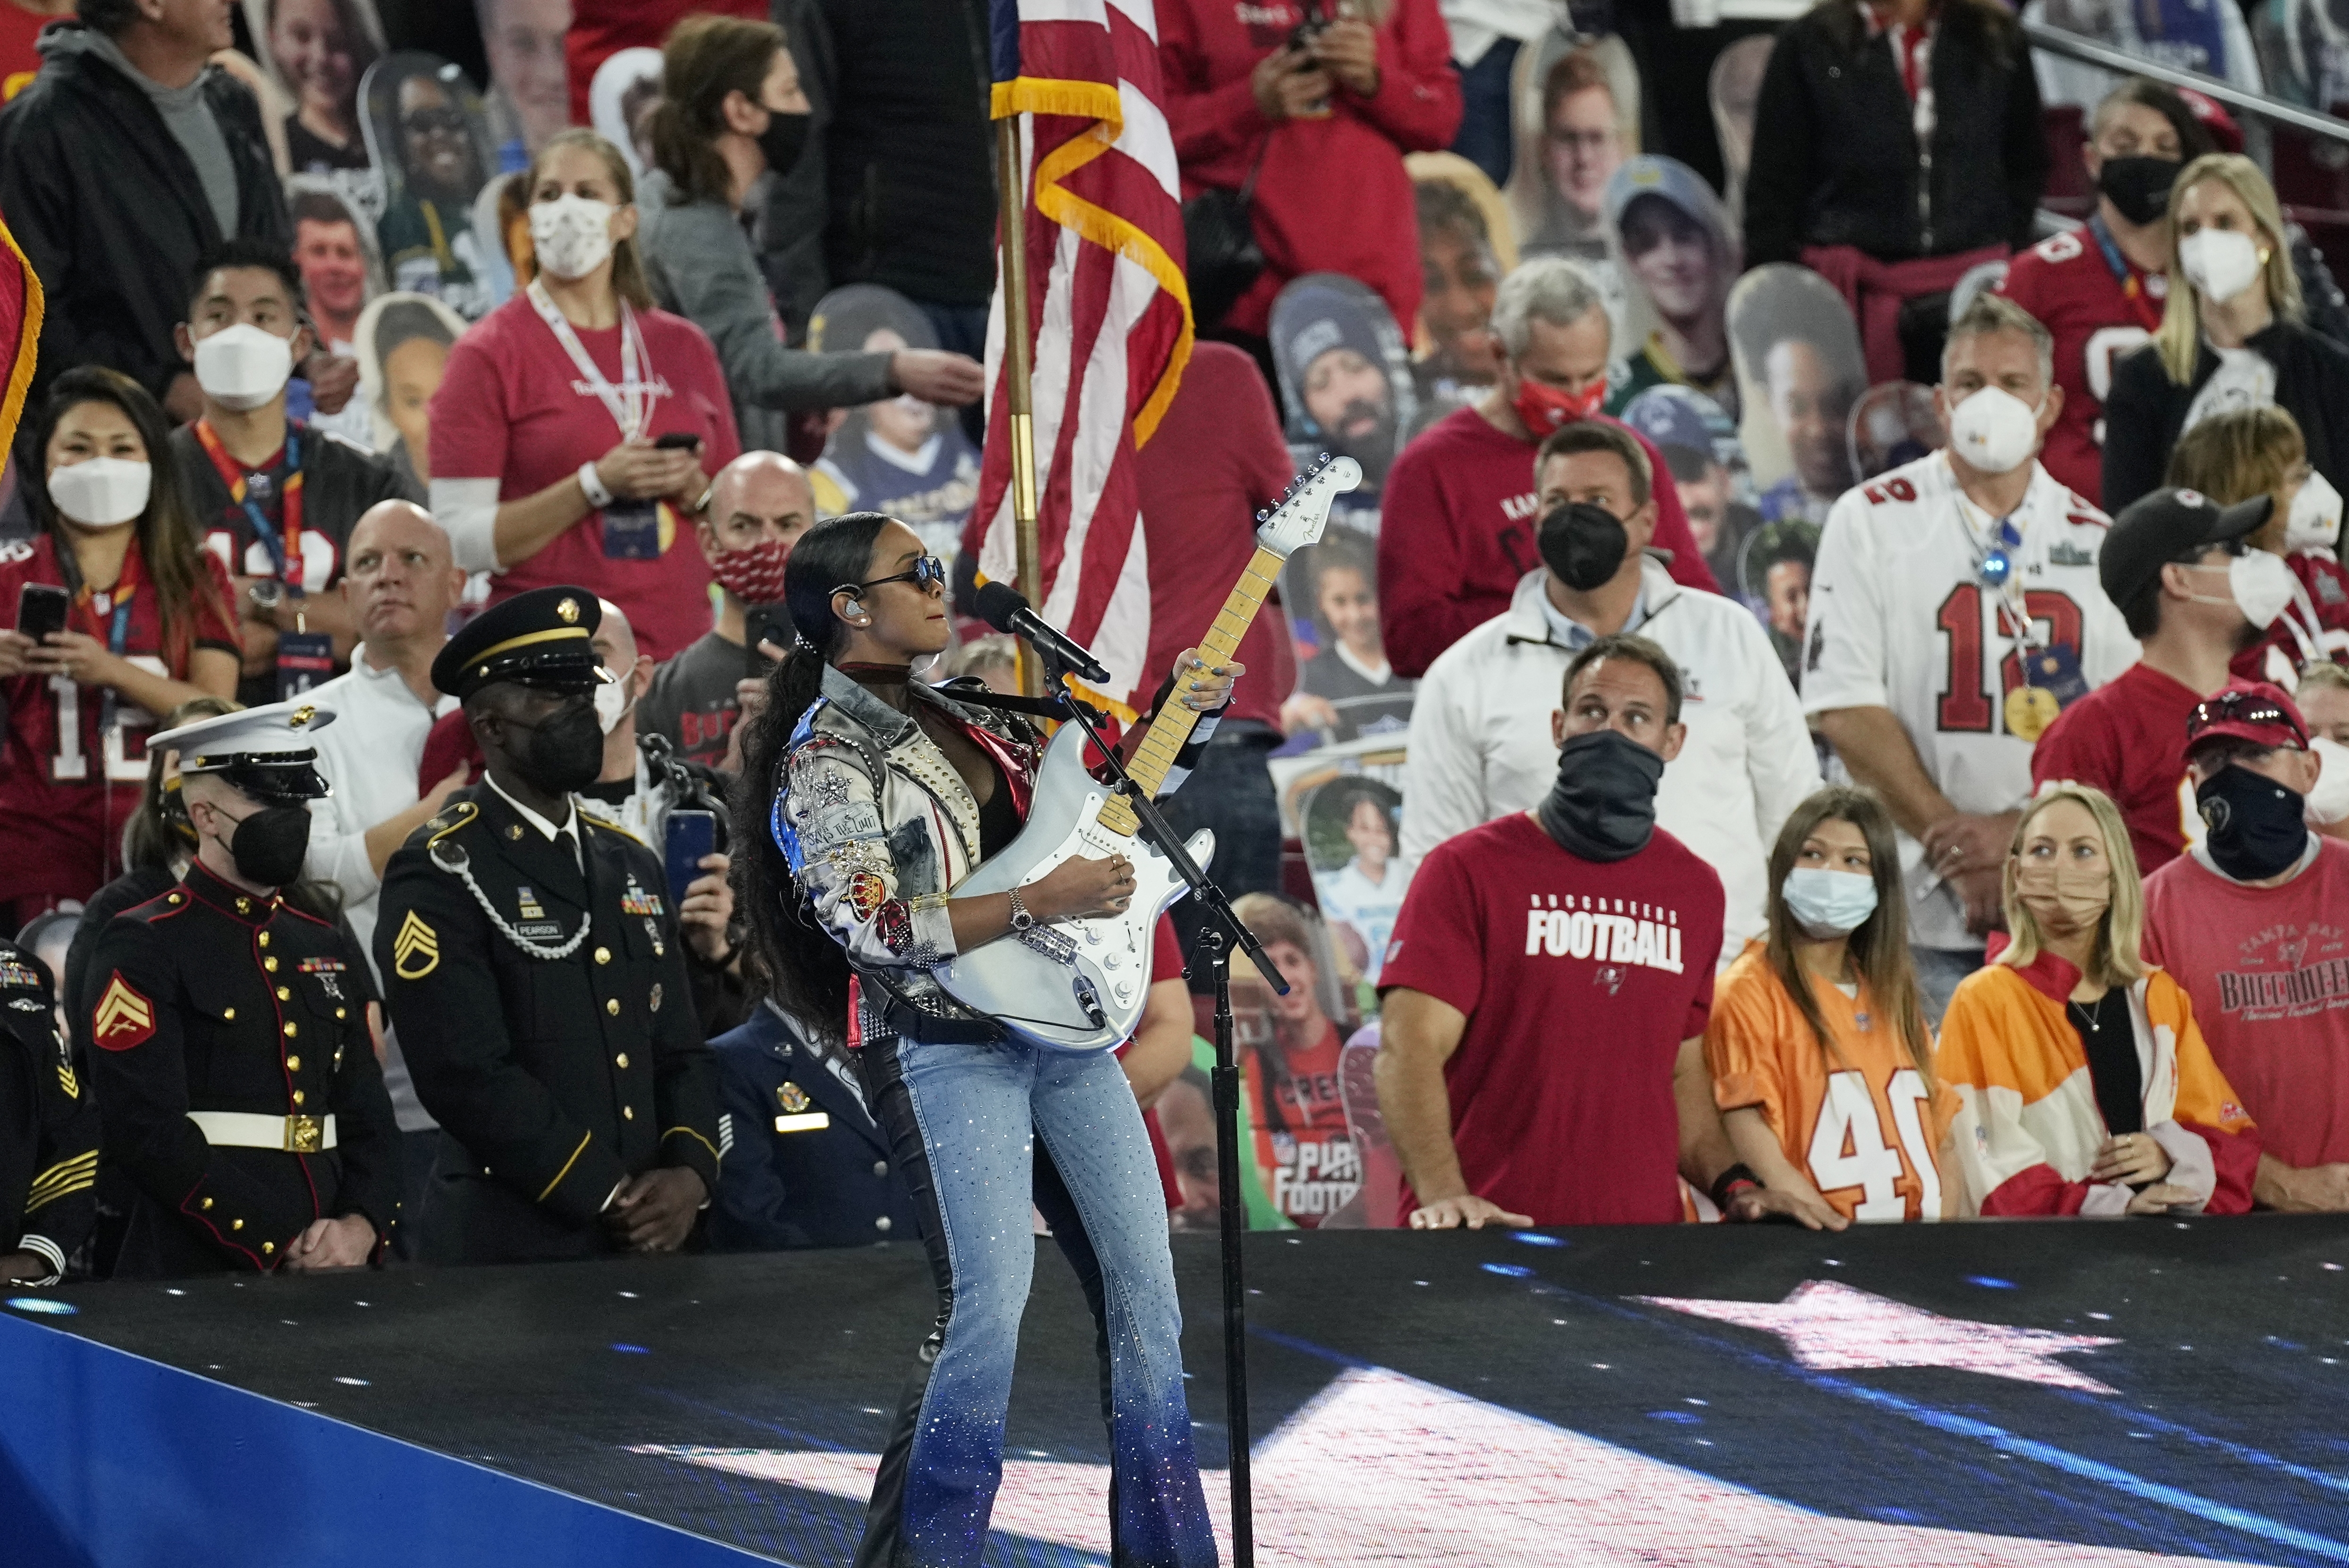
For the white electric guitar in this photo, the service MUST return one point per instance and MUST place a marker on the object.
(1079, 985)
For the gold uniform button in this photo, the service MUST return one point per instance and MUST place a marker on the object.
(207, 1203)
(268, 1248)
(236, 1224)
(624, 1059)
(270, 964)
(283, 995)
(172, 899)
(341, 1012)
(292, 1029)
(603, 955)
(613, 1007)
(264, 939)
(228, 1015)
(881, 1223)
(297, 1096)
(292, 1063)
(629, 1113)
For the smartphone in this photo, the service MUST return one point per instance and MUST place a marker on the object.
(691, 836)
(676, 441)
(763, 623)
(41, 609)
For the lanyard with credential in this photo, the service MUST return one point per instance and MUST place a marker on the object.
(285, 554)
(630, 402)
(114, 629)
(2132, 290)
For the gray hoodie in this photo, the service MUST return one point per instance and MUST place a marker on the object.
(185, 115)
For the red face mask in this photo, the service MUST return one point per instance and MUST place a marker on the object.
(1544, 409)
(755, 574)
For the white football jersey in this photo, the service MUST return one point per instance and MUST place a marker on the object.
(1900, 619)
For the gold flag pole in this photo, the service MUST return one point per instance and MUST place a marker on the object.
(1012, 189)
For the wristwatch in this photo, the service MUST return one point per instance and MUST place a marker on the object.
(266, 593)
(1020, 918)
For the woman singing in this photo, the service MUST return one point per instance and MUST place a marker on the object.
(881, 793)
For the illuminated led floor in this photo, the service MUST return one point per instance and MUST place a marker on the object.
(2056, 1393)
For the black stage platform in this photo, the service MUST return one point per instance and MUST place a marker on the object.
(2058, 1392)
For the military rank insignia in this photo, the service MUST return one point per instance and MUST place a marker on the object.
(528, 902)
(415, 950)
(792, 1098)
(636, 902)
(124, 1018)
(798, 1112)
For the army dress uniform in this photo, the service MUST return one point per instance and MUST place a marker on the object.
(540, 991)
(48, 1124)
(806, 1166)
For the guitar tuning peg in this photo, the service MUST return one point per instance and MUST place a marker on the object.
(1262, 514)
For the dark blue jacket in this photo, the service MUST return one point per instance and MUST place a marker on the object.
(831, 1185)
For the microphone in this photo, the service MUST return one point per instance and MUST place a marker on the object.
(1000, 605)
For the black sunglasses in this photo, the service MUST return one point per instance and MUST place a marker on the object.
(2237, 707)
(929, 572)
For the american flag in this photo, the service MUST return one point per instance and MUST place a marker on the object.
(1108, 311)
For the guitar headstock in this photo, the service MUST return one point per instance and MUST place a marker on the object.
(1304, 509)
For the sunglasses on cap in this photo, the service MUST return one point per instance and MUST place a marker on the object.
(2238, 708)
(929, 572)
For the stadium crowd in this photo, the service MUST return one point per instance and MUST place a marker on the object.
(1844, 606)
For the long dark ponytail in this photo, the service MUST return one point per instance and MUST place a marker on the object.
(805, 971)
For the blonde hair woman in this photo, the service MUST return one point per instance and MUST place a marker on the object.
(2084, 1085)
(2232, 336)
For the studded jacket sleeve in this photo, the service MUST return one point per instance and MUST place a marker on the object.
(847, 858)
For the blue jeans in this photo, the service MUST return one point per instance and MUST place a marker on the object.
(1484, 136)
(1938, 970)
(977, 1130)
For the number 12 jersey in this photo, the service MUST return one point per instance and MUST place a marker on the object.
(1900, 619)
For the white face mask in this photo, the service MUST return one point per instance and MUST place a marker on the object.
(2314, 523)
(2329, 801)
(102, 492)
(611, 705)
(2221, 262)
(571, 235)
(243, 367)
(1995, 430)
(2262, 586)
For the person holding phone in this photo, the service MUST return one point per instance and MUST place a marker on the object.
(119, 616)
(576, 425)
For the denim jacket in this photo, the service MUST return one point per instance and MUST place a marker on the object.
(877, 826)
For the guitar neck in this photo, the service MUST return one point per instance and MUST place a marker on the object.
(1171, 730)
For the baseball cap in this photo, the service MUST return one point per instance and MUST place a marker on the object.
(2251, 711)
(2157, 528)
(1683, 187)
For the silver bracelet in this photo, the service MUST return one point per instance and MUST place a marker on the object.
(592, 485)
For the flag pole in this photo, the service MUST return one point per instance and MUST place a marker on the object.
(1011, 227)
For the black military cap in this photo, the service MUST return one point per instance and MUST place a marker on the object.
(2157, 528)
(539, 639)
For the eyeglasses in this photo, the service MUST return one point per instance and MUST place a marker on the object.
(1998, 563)
(929, 573)
(2238, 707)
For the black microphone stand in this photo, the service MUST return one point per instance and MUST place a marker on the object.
(1232, 1213)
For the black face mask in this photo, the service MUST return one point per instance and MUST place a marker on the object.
(268, 847)
(1603, 805)
(783, 140)
(1583, 544)
(2139, 187)
(2257, 829)
(563, 752)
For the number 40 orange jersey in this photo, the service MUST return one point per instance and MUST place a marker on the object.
(1864, 1128)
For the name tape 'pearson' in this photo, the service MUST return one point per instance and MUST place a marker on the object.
(1588, 933)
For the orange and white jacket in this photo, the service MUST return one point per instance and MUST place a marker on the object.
(2028, 1129)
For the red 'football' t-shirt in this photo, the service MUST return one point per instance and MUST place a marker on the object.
(514, 408)
(2097, 319)
(1580, 979)
(66, 786)
(1457, 530)
(2268, 970)
(1304, 1146)
(2128, 738)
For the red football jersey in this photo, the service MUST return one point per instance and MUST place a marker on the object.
(2313, 627)
(2128, 739)
(2065, 282)
(67, 784)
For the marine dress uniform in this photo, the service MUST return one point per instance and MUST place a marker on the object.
(234, 1074)
(538, 987)
(48, 1124)
(806, 1165)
